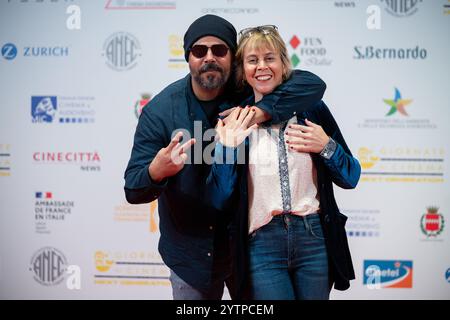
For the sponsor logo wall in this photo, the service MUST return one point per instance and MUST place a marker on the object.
(71, 99)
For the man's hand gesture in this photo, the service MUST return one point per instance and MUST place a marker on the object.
(170, 160)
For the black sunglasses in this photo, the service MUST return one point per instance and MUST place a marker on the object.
(200, 50)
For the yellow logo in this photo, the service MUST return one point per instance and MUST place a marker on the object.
(102, 263)
(153, 225)
(176, 46)
(146, 213)
(366, 158)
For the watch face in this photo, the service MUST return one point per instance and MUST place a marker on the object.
(329, 149)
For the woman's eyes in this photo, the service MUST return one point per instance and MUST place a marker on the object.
(255, 61)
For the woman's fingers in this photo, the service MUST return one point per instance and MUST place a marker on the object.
(227, 112)
(250, 129)
(299, 148)
(250, 115)
(300, 127)
(296, 141)
(235, 114)
(295, 133)
(243, 114)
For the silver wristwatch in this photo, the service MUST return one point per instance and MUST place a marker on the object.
(329, 149)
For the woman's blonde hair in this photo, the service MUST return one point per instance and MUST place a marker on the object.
(257, 37)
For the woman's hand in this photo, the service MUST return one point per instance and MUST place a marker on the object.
(236, 128)
(259, 117)
(309, 138)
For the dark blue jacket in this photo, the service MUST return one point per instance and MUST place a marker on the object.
(341, 169)
(194, 232)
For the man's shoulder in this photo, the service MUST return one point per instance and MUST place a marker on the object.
(163, 101)
(175, 88)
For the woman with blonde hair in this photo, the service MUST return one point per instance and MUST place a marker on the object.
(290, 240)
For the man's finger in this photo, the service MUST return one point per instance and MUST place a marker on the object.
(185, 146)
(176, 138)
(176, 158)
(219, 124)
(183, 157)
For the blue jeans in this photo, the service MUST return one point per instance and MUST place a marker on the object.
(288, 260)
(184, 291)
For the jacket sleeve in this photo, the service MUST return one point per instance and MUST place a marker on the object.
(222, 179)
(344, 169)
(148, 140)
(301, 92)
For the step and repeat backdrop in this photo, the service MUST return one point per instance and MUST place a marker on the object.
(74, 76)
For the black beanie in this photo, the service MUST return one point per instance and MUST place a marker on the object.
(210, 25)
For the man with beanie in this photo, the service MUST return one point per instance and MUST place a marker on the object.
(195, 236)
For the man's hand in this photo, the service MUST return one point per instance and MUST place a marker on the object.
(237, 128)
(309, 138)
(170, 160)
(260, 115)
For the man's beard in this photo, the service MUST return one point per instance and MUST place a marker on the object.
(213, 80)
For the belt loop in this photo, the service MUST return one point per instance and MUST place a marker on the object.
(285, 223)
(305, 221)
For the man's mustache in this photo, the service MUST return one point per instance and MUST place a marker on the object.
(210, 67)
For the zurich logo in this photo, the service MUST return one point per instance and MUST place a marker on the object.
(9, 51)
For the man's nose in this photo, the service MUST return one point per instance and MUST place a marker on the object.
(209, 55)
